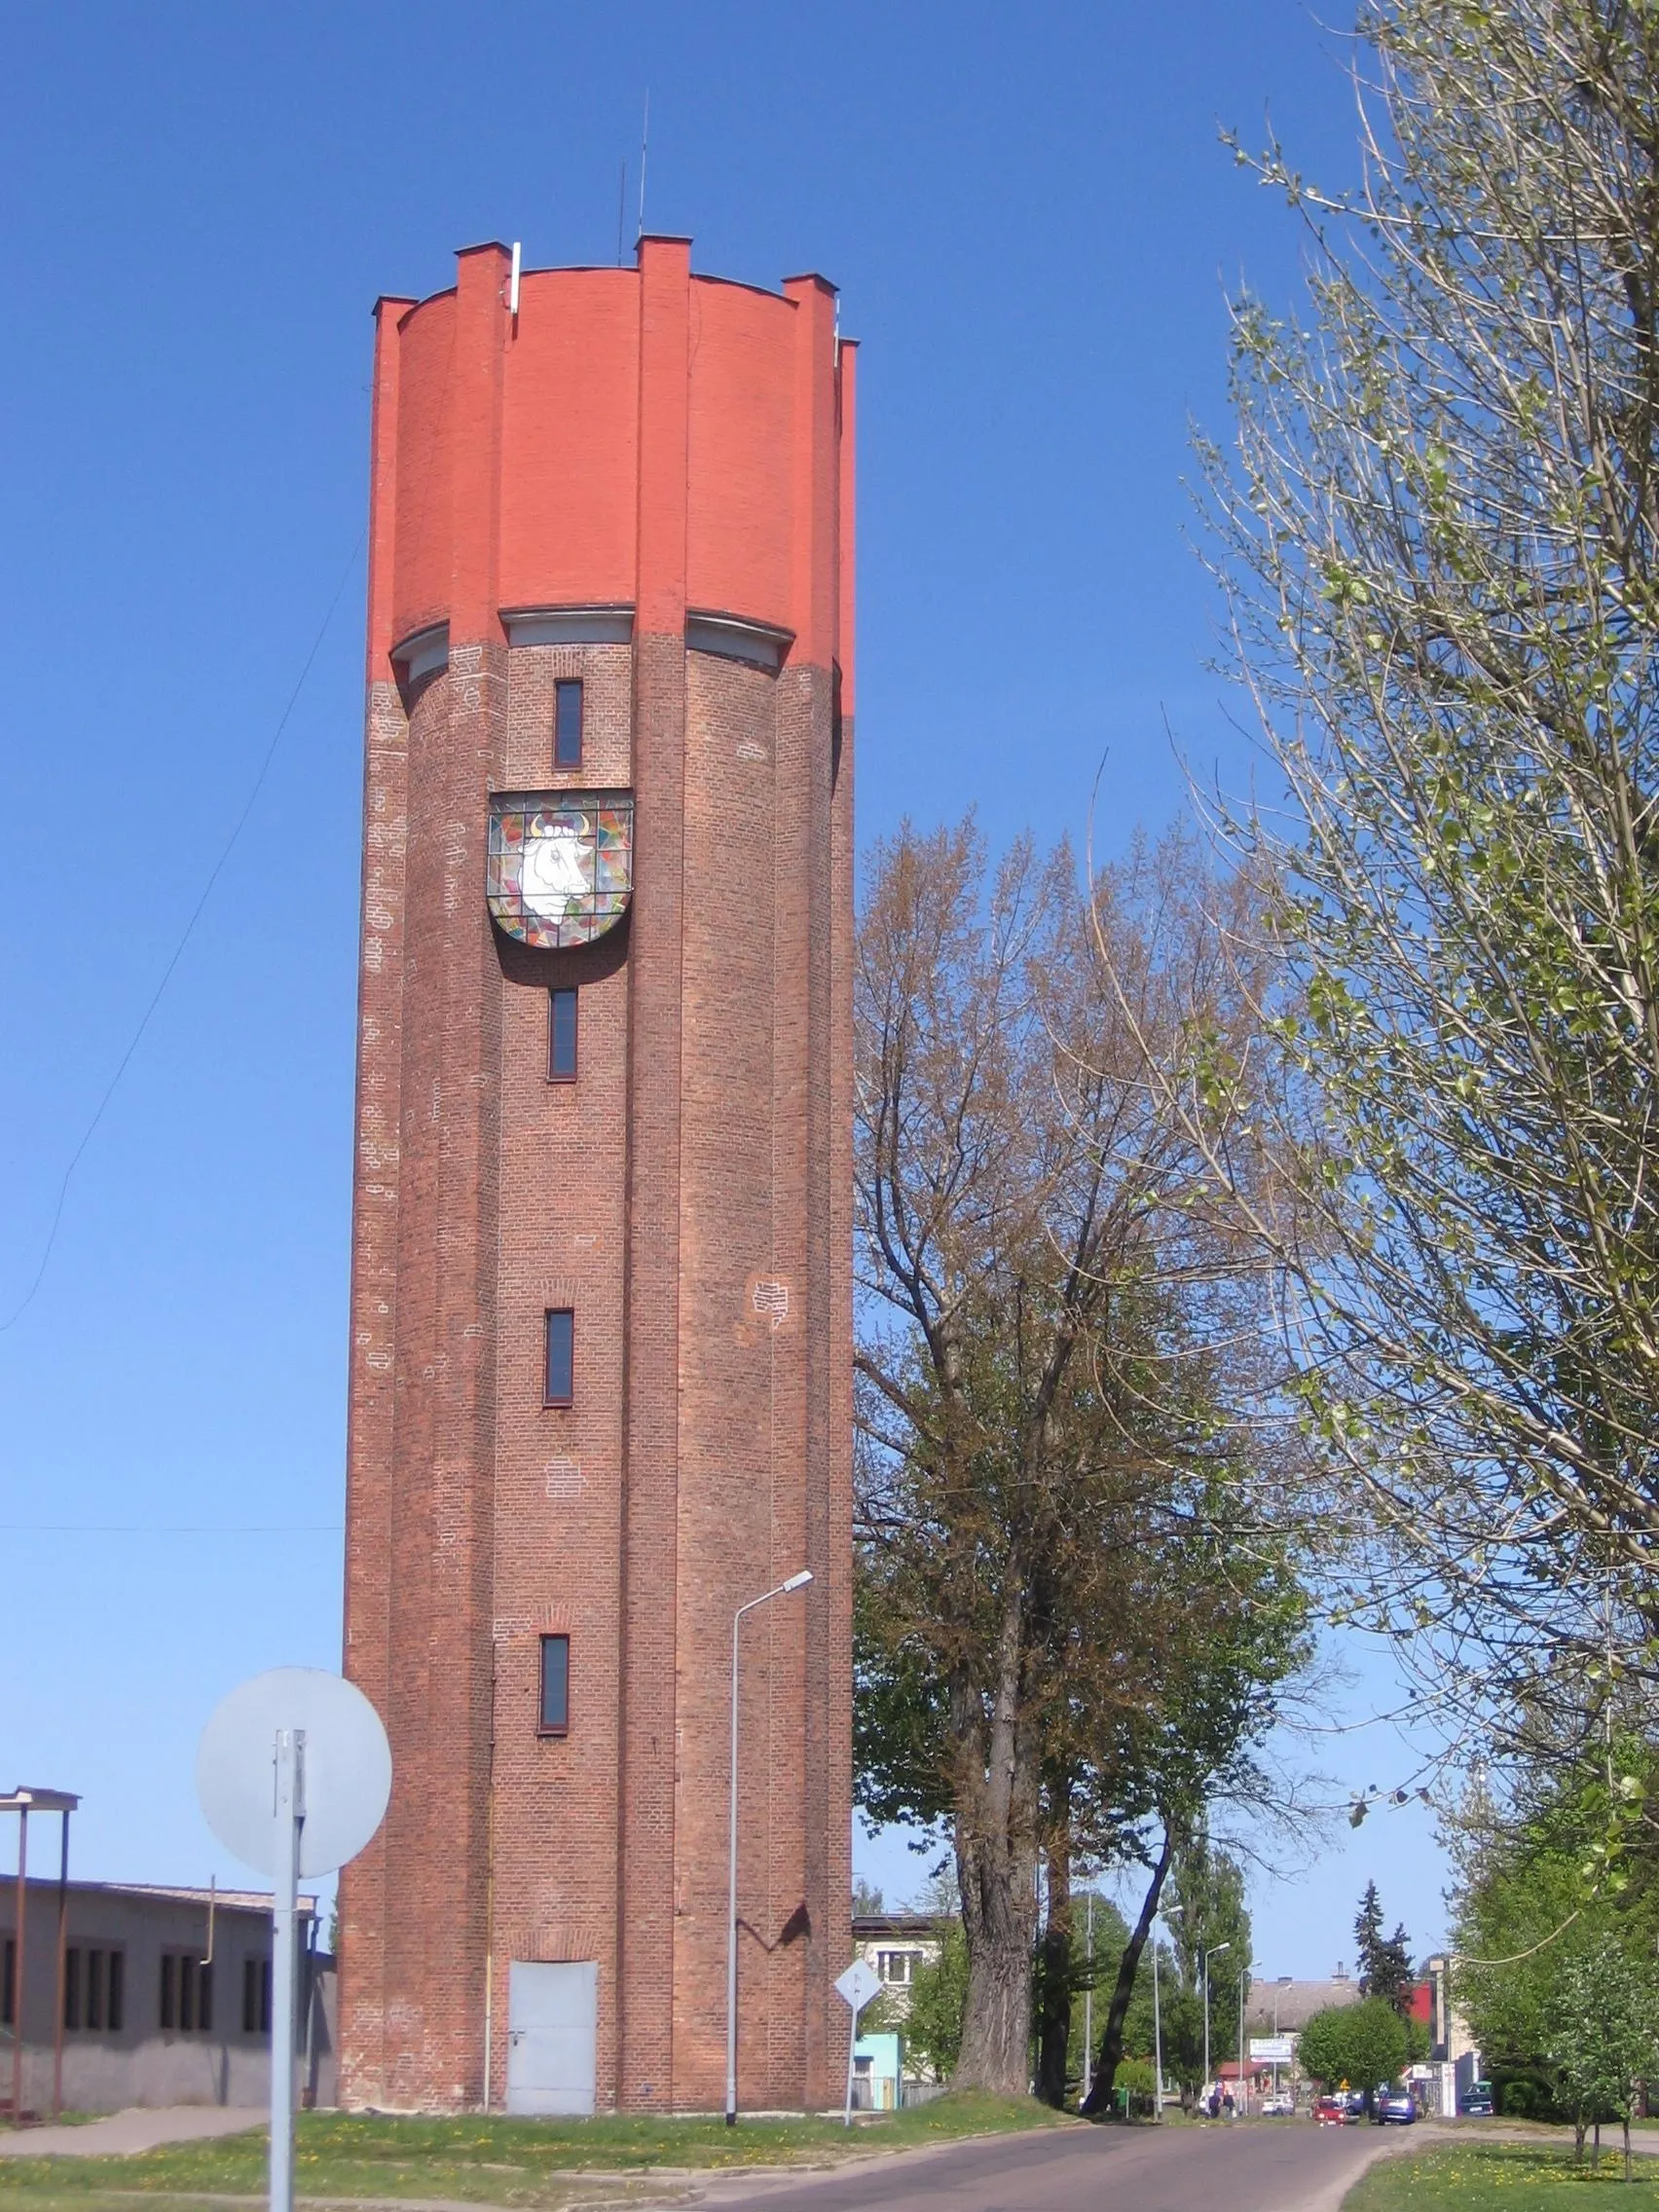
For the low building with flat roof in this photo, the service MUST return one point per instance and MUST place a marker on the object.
(161, 1997)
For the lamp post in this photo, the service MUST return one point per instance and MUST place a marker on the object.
(1170, 1911)
(1089, 1997)
(795, 1582)
(23, 1802)
(1214, 1952)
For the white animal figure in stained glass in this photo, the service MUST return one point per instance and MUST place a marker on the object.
(556, 868)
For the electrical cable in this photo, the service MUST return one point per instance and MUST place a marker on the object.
(155, 1528)
(22, 1307)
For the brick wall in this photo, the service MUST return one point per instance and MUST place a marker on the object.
(689, 1195)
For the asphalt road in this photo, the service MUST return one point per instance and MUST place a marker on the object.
(1271, 2166)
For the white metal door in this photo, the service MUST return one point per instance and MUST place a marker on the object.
(552, 2036)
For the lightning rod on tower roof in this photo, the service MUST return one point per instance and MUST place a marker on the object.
(644, 142)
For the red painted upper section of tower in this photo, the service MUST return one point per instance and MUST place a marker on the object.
(634, 437)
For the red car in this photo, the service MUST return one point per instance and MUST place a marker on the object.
(1332, 2112)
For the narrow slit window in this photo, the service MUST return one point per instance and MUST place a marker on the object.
(554, 1715)
(71, 1988)
(169, 1984)
(256, 1996)
(559, 1381)
(95, 1963)
(568, 722)
(562, 1036)
(116, 1991)
(8, 1970)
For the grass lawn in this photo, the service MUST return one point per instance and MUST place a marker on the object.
(1504, 2177)
(486, 2161)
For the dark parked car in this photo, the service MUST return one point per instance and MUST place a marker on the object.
(1393, 2107)
(1476, 2101)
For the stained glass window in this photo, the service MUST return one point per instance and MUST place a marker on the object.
(561, 865)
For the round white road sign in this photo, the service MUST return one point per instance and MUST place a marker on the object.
(346, 1768)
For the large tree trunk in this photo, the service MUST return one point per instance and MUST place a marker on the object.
(1054, 2027)
(999, 1916)
(996, 1867)
(1112, 2035)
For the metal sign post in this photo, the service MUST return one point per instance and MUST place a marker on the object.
(290, 1813)
(294, 1773)
(856, 1987)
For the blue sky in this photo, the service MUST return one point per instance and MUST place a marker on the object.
(1033, 226)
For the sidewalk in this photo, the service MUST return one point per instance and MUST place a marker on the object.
(140, 2129)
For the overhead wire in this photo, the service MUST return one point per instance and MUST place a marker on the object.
(27, 1299)
(169, 1529)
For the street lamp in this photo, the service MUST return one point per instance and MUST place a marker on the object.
(1214, 1952)
(1170, 1911)
(795, 1582)
(1088, 1998)
(1283, 1983)
(1243, 2093)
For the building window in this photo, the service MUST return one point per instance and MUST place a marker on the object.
(256, 1996)
(555, 1711)
(562, 1036)
(896, 1965)
(568, 722)
(187, 1993)
(559, 1379)
(92, 1990)
(8, 1970)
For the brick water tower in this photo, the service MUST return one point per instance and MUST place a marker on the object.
(601, 1303)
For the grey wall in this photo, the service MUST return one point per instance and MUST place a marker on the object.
(143, 2063)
